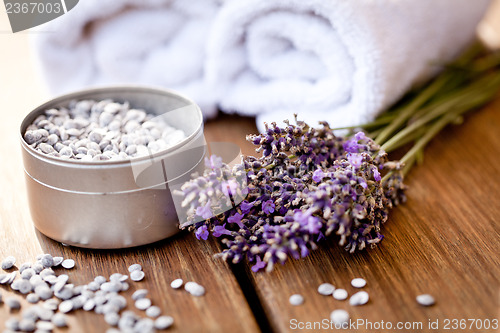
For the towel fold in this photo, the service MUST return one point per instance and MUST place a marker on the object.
(335, 60)
(154, 42)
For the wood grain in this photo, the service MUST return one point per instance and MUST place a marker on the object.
(444, 241)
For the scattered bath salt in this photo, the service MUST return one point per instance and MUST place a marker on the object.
(194, 288)
(137, 275)
(138, 294)
(54, 296)
(296, 299)
(163, 322)
(68, 263)
(13, 303)
(339, 317)
(143, 303)
(8, 262)
(359, 298)
(340, 294)
(153, 311)
(358, 283)
(66, 306)
(425, 300)
(326, 289)
(176, 284)
(12, 324)
(59, 320)
(47, 261)
(45, 326)
(27, 325)
(57, 261)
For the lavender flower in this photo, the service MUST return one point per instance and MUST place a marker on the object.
(308, 185)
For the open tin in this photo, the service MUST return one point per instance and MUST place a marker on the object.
(114, 204)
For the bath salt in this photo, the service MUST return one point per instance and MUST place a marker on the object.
(104, 130)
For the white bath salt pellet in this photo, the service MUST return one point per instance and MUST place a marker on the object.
(112, 318)
(27, 325)
(296, 299)
(144, 325)
(13, 303)
(339, 318)
(89, 305)
(177, 283)
(340, 294)
(27, 273)
(359, 298)
(47, 261)
(143, 303)
(125, 286)
(8, 262)
(93, 286)
(51, 304)
(43, 313)
(425, 300)
(197, 290)
(4, 278)
(57, 261)
(137, 275)
(66, 306)
(12, 324)
(37, 267)
(68, 263)
(326, 289)
(153, 311)
(24, 286)
(134, 267)
(358, 283)
(138, 294)
(59, 320)
(45, 326)
(163, 322)
(33, 298)
(24, 266)
(11, 277)
(100, 279)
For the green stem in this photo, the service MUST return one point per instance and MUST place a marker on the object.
(463, 100)
(412, 107)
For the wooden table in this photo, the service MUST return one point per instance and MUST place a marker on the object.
(443, 241)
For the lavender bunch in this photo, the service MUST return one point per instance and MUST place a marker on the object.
(308, 185)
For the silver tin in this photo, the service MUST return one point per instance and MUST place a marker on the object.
(121, 203)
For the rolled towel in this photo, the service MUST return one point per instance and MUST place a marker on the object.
(335, 60)
(154, 42)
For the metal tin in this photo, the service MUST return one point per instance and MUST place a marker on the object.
(120, 203)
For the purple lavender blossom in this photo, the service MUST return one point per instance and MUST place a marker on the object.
(214, 162)
(268, 207)
(259, 265)
(229, 188)
(355, 159)
(310, 186)
(220, 230)
(202, 232)
(204, 211)
(246, 207)
(318, 175)
(236, 218)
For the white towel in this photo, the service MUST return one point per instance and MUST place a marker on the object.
(154, 42)
(342, 61)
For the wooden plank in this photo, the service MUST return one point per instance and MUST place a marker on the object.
(444, 241)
